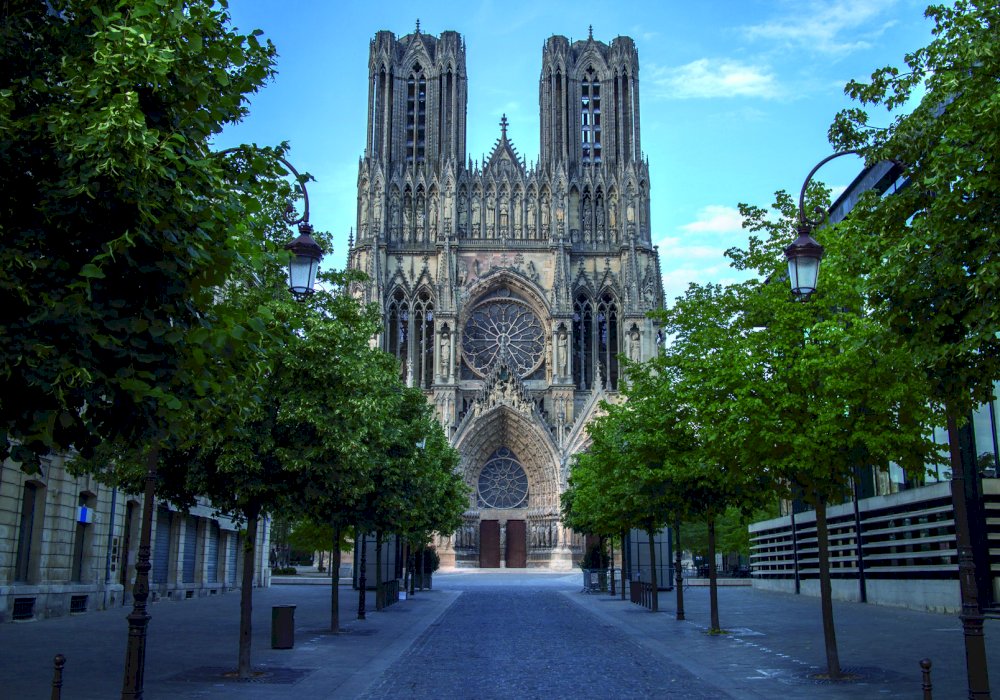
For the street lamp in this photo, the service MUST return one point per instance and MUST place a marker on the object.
(804, 253)
(306, 253)
(302, 269)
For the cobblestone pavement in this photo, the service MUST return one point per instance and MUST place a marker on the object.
(523, 643)
(501, 634)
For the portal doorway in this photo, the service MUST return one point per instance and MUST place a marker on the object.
(489, 544)
(516, 550)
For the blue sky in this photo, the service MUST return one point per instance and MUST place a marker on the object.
(736, 97)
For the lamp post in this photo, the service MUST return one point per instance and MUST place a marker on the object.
(302, 269)
(804, 253)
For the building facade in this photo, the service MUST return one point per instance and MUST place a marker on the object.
(508, 291)
(68, 544)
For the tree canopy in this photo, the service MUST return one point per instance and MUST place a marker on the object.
(118, 222)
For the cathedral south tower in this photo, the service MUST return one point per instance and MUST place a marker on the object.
(509, 293)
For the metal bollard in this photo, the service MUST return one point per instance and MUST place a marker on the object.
(925, 669)
(57, 680)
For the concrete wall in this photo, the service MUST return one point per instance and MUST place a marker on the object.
(934, 596)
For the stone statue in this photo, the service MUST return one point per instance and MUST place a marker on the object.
(445, 355)
(563, 349)
(634, 351)
(394, 213)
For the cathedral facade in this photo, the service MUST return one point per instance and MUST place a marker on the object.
(509, 292)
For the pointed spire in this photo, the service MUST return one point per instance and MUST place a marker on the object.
(350, 239)
(590, 31)
(418, 25)
(503, 126)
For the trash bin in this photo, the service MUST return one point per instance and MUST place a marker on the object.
(282, 626)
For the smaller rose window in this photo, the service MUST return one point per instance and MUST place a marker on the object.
(502, 482)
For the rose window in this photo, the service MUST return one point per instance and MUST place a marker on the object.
(502, 482)
(503, 327)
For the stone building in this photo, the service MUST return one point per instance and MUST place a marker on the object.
(68, 544)
(508, 290)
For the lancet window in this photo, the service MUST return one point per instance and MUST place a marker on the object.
(397, 330)
(416, 115)
(596, 340)
(583, 342)
(608, 344)
(590, 117)
(423, 330)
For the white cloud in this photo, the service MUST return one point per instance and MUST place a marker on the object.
(705, 78)
(835, 27)
(697, 251)
(716, 218)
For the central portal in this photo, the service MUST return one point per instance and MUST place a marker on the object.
(511, 538)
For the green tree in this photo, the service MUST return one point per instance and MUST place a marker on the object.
(117, 221)
(416, 489)
(810, 392)
(626, 478)
(925, 259)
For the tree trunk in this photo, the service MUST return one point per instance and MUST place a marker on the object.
(413, 569)
(362, 581)
(246, 591)
(623, 565)
(713, 580)
(379, 601)
(826, 591)
(335, 581)
(652, 573)
(679, 575)
(420, 565)
(611, 565)
(408, 570)
(971, 615)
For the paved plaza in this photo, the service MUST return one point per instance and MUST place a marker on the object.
(500, 634)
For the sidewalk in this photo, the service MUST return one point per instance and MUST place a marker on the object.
(774, 644)
(192, 643)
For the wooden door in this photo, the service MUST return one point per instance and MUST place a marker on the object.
(516, 554)
(489, 544)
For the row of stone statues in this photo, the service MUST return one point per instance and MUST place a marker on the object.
(542, 534)
(417, 220)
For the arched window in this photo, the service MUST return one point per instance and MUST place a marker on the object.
(583, 342)
(608, 339)
(416, 115)
(397, 329)
(423, 329)
(590, 117)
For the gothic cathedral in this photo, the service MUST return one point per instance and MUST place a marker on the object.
(509, 292)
